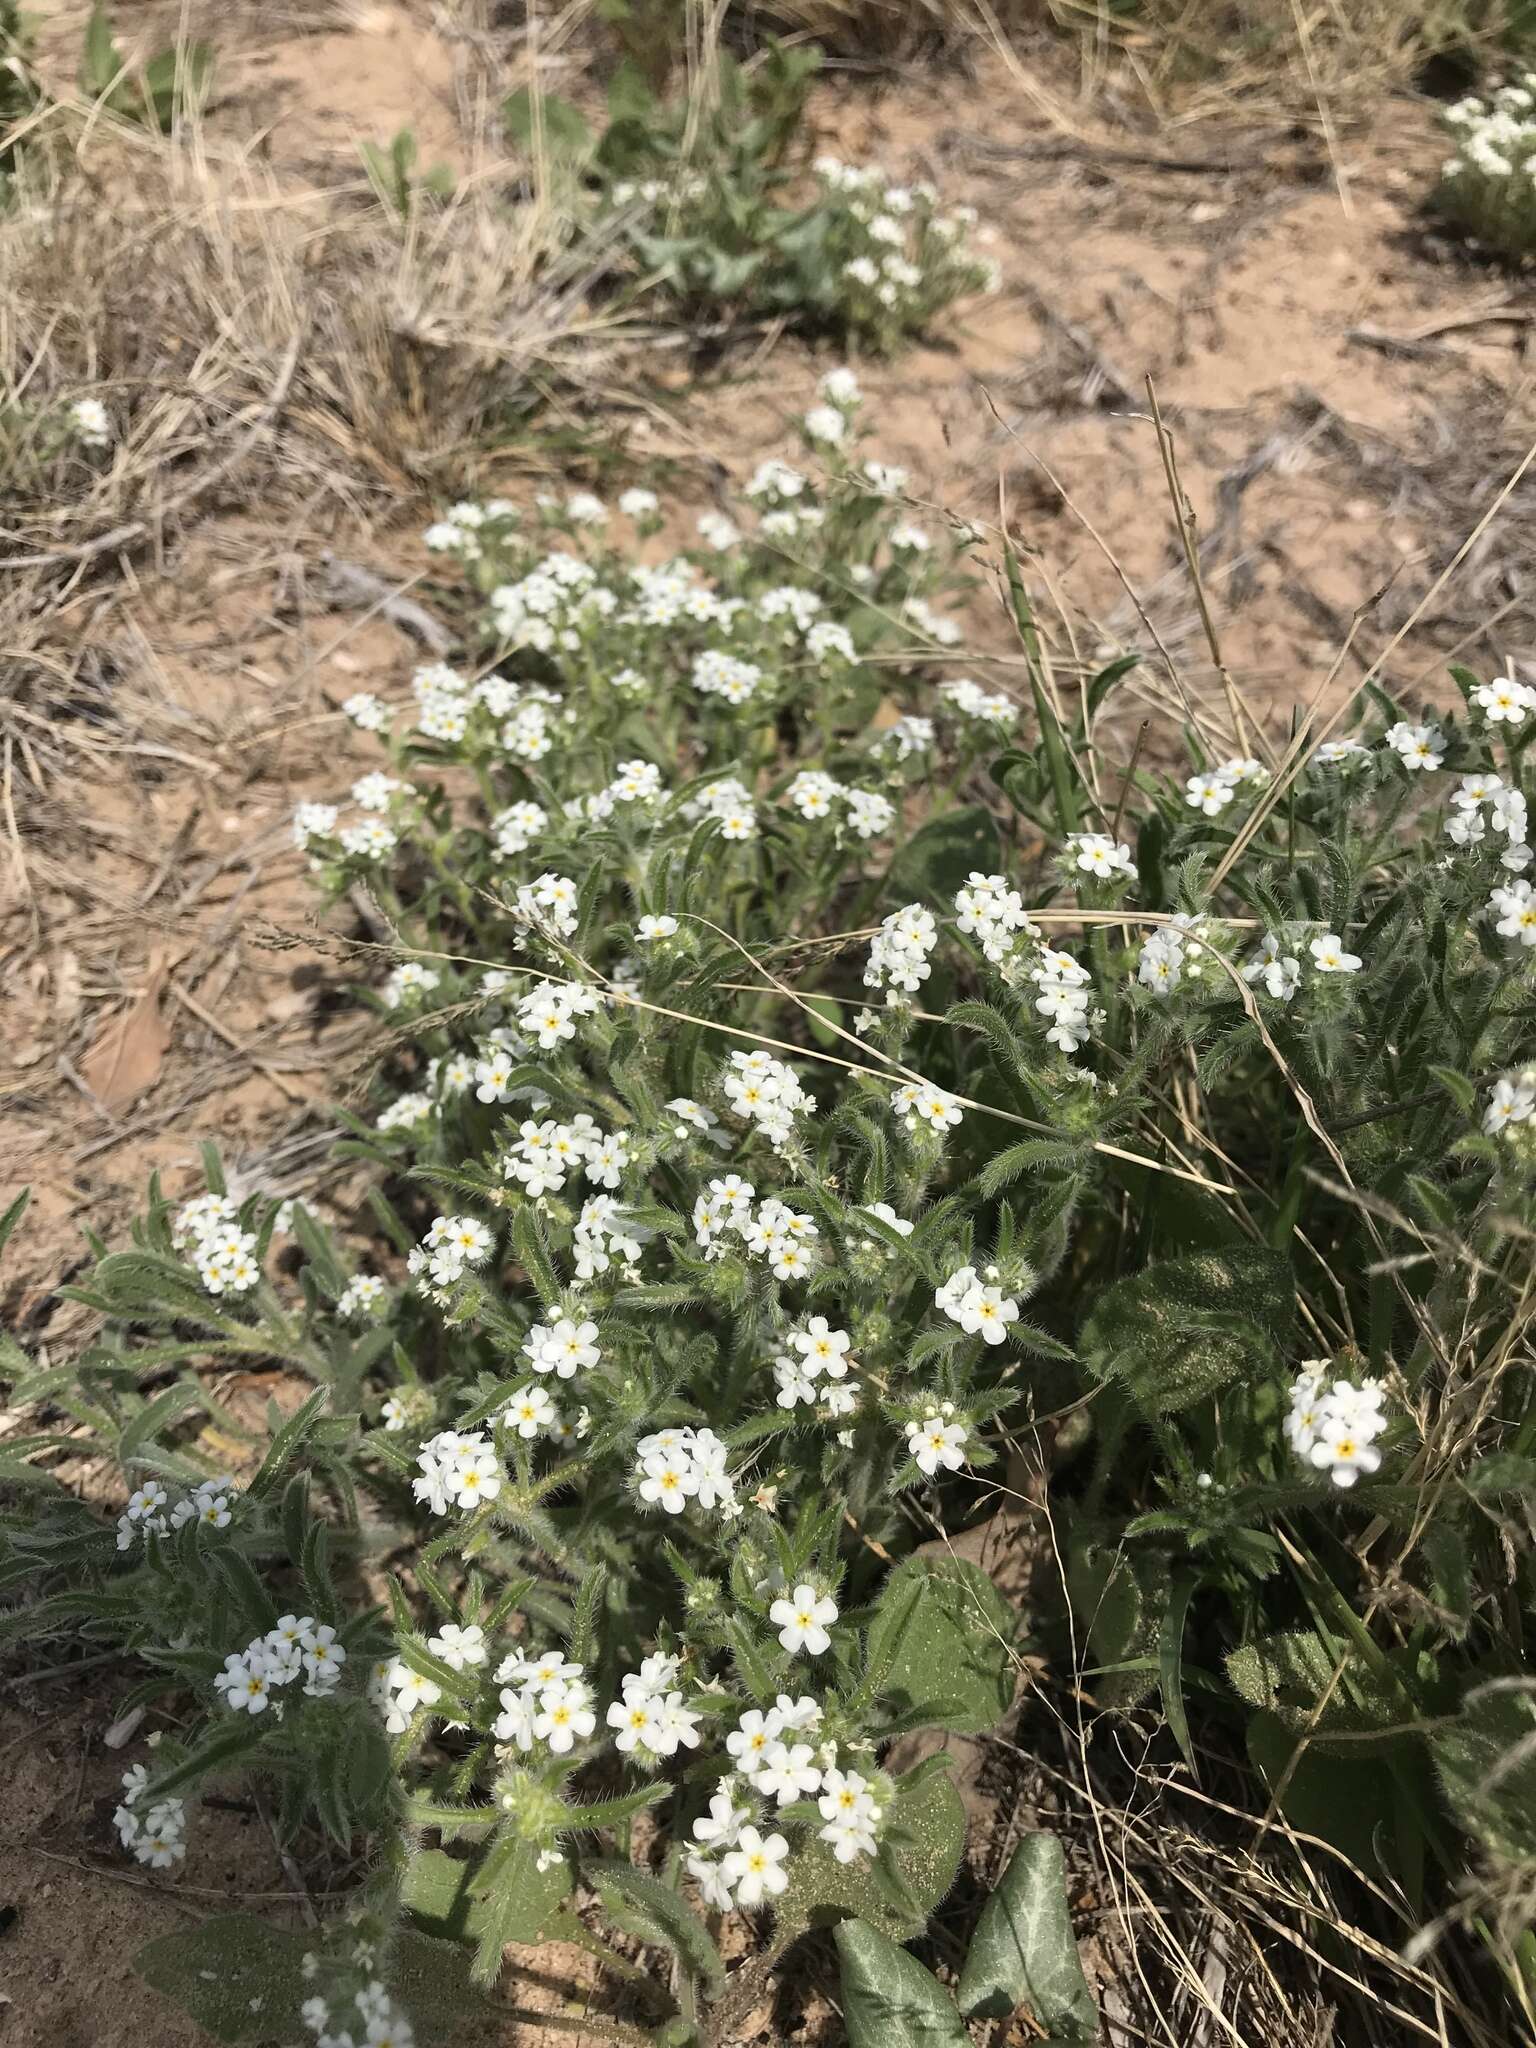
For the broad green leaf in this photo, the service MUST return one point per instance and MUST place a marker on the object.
(1181, 1329)
(822, 1890)
(1347, 1801)
(1023, 1951)
(1287, 1675)
(941, 1644)
(935, 861)
(889, 1999)
(1486, 1759)
(509, 1898)
(240, 1978)
(431, 1980)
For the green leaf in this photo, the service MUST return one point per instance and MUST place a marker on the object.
(1062, 781)
(512, 1900)
(240, 1978)
(13, 1216)
(431, 1980)
(657, 1915)
(941, 1641)
(100, 64)
(1023, 1951)
(1287, 1675)
(1347, 1801)
(565, 131)
(288, 1440)
(935, 861)
(1179, 1330)
(1170, 1661)
(1487, 1763)
(889, 1999)
(917, 1872)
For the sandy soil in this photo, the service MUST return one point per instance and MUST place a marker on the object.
(1345, 394)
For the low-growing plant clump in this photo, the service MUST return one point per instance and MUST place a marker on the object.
(1487, 187)
(802, 1100)
(705, 197)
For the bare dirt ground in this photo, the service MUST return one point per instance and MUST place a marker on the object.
(1346, 394)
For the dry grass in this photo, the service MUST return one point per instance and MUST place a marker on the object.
(255, 343)
(1182, 55)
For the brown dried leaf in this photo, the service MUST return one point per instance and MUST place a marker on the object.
(126, 1058)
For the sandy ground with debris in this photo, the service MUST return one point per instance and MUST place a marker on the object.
(1346, 396)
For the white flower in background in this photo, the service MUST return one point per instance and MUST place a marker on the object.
(718, 532)
(369, 839)
(363, 1295)
(367, 712)
(313, 821)
(898, 955)
(1341, 754)
(639, 503)
(840, 387)
(407, 981)
(91, 423)
(869, 814)
(373, 792)
(981, 707)
(775, 481)
(825, 423)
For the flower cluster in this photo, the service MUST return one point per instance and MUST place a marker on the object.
(156, 1833)
(1210, 793)
(297, 1646)
(676, 1466)
(994, 914)
(150, 1511)
(223, 1253)
(461, 1469)
(898, 956)
(1334, 1424)
(1486, 185)
(899, 256)
(544, 1698)
(1064, 993)
(369, 2019)
(977, 1303)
